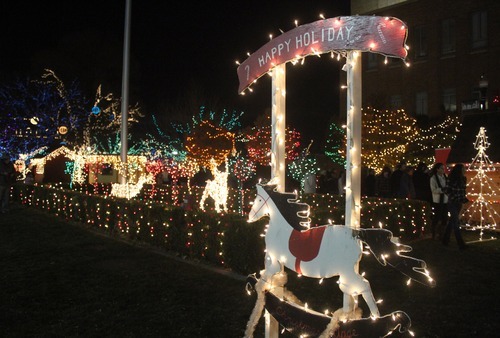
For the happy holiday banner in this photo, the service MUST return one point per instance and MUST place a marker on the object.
(383, 35)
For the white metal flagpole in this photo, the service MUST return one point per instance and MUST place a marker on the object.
(125, 76)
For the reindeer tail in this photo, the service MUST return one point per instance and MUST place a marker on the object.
(387, 252)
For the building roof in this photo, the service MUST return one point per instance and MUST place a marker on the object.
(462, 150)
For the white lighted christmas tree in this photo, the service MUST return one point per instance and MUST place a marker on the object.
(482, 190)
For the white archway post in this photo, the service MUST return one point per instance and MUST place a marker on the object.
(278, 120)
(353, 133)
(278, 165)
(353, 151)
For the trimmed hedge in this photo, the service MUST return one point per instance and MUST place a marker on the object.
(226, 240)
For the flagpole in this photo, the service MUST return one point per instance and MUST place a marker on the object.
(125, 76)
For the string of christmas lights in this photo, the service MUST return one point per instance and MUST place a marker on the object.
(386, 136)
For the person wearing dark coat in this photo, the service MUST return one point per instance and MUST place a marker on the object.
(396, 180)
(370, 183)
(421, 180)
(383, 185)
(456, 185)
(406, 187)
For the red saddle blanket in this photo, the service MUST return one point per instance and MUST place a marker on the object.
(304, 245)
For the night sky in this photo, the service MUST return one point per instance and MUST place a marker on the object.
(177, 48)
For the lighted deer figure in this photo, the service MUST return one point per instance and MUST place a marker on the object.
(216, 188)
(129, 190)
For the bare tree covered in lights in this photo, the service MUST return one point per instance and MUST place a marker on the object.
(210, 135)
(392, 136)
(38, 113)
(112, 144)
(386, 137)
(436, 136)
(207, 142)
(258, 141)
(104, 120)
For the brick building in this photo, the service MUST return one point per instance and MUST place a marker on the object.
(454, 58)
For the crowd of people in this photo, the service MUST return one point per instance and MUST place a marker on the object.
(445, 193)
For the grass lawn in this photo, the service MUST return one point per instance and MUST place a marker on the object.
(60, 279)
